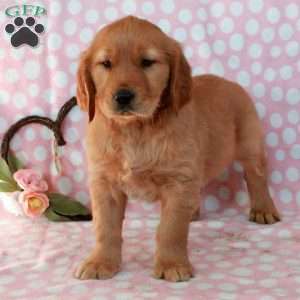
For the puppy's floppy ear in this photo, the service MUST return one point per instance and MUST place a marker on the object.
(85, 87)
(178, 92)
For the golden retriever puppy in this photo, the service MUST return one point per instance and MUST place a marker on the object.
(157, 133)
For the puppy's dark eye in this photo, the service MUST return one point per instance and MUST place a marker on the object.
(106, 64)
(146, 63)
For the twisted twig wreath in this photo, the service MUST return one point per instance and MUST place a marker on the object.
(24, 191)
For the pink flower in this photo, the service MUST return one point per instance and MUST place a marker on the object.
(30, 180)
(34, 204)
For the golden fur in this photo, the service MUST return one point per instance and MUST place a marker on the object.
(181, 133)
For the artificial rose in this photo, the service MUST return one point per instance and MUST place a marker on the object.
(34, 204)
(30, 180)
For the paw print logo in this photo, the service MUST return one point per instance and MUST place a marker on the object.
(24, 32)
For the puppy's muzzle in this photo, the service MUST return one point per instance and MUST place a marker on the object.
(123, 100)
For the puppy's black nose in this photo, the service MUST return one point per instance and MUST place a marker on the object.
(124, 97)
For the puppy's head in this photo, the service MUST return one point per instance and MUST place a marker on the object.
(131, 71)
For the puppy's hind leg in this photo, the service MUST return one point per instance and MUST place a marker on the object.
(252, 156)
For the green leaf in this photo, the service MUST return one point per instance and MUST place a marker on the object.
(15, 163)
(8, 187)
(5, 173)
(52, 216)
(64, 205)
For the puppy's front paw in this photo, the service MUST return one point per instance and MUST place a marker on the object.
(97, 269)
(264, 217)
(173, 271)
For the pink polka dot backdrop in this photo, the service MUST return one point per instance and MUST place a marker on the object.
(254, 42)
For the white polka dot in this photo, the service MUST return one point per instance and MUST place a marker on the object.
(217, 68)
(275, 51)
(273, 15)
(64, 185)
(293, 96)
(148, 8)
(54, 41)
(111, 13)
(204, 50)
(76, 158)
(73, 67)
(219, 47)
(234, 62)
(242, 198)
(54, 8)
(295, 151)
(30, 134)
(188, 51)
(286, 31)
(289, 136)
(91, 16)
(74, 7)
(292, 48)
(197, 32)
(243, 78)
(164, 25)
(268, 35)
(180, 34)
(259, 90)
(72, 51)
(211, 28)
(185, 16)
(70, 27)
(261, 109)
(276, 93)
(202, 14)
(11, 75)
(280, 155)
(72, 135)
(276, 177)
(217, 9)
(255, 6)
(167, 6)
(4, 97)
(292, 11)
(272, 139)
(255, 50)
(129, 7)
(292, 174)
(86, 35)
(269, 74)
(268, 283)
(3, 125)
(31, 69)
(256, 68)
(276, 120)
(40, 153)
(227, 25)
(242, 272)
(199, 70)
(236, 42)
(211, 203)
(78, 175)
(33, 89)
(252, 26)
(51, 61)
(286, 72)
(293, 116)
(60, 79)
(236, 8)
(285, 196)
(76, 114)
(20, 100)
